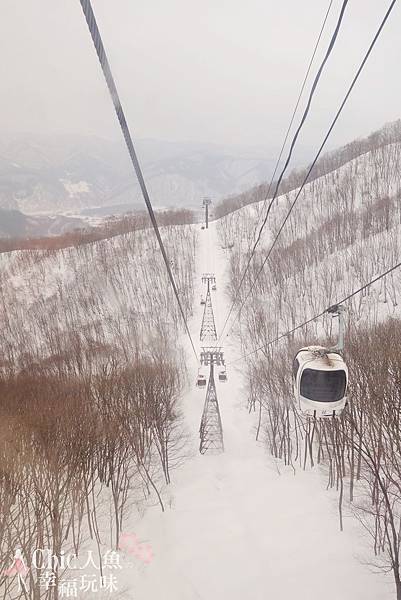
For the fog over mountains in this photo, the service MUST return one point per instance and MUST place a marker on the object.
(89, 176)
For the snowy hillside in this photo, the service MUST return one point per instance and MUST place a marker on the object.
(233, 525)
(89, 342)
(344, 230)
(328, 163)
(100, 292)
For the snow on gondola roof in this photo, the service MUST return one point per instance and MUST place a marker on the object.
(326, 361)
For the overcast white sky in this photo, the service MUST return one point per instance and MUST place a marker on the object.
(220, 71)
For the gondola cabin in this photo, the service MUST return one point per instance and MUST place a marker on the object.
(201, 381)
(223, 376)
(214, 287)
(202, 301)
(320, 382)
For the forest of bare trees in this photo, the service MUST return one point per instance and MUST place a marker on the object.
(111, 227)
(90, 383)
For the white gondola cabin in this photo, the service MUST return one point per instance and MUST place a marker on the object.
(320, 381)
(201, 380)
(223, 375)
(202, 301)
(214, 287)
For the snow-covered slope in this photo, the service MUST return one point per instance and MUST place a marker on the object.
(110, 294)
(235, 525)
(239, 525)
(343, 232)
(344, 229)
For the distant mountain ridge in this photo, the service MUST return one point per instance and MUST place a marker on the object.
(62, 174)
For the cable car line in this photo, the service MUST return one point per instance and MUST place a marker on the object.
(104, 63)
(294, 113)
(289, 156)
(367, 54)
(312, 319)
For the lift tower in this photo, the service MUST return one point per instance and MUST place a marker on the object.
(206, 202)
(211, 429)
(208, 327)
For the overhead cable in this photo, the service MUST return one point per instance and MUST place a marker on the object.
(104, 63)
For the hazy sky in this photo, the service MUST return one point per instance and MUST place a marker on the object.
(220, 71)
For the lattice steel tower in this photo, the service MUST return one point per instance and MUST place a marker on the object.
(211, 429)
(208, 328)
(206, 203)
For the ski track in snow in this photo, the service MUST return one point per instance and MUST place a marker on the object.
(240, 526)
